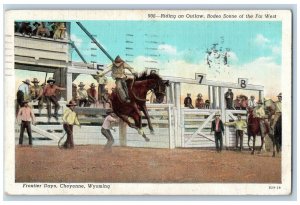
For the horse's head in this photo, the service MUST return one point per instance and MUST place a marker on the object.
(160, 90)
(155, 84)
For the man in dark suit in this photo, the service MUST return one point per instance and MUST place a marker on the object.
(218, 128)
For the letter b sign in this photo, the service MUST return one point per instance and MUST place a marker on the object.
(243, 82)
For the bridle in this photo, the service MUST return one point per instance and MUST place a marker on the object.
(158, 90)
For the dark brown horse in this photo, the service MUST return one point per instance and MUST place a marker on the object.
(138, 90)
(275, 134)
(253, 129)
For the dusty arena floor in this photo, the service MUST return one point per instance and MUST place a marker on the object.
(126, 164)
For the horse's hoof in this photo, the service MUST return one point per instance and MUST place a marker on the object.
(147, 139)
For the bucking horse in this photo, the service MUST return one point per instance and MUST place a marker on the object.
(137, 90)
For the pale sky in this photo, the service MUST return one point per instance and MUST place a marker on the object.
(178, 48)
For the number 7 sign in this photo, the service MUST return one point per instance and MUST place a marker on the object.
(200, 77)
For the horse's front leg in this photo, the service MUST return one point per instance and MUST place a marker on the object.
(125, 119)
(138, 122)
(145, 111)
(249, 137)
(262, 143)
(253, 144)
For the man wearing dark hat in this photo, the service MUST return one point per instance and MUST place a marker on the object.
(102, 81)
(82, 95)
(218, 128)
(23, 94)
(36, 92)
(25, 117)
(188, 101)
(229, 99)
(50, 97)
(277, 111)
(106, 126)
(92, 94)
(239, 125)
(70, 119)
(118, 73)
(74, 92)
(199, 102)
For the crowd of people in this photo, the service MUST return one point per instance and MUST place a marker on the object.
(241, 102)
(200, 102)
(267, 121)
(54, 30)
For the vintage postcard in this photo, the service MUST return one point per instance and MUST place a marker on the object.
(148, 102)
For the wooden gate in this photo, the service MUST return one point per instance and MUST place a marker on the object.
(196, 127)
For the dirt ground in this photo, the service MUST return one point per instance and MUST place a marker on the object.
(126, 164)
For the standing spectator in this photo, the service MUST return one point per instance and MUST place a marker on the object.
(259, 112)
(153, 98)
(207, 104)
(74, 92)
(244, 102)
(60, 32)
(199, 102)
(106, 98)
(25, 117)
(23, 94)
(252, 102)
(25, 28)
(42, 31)
(70, 119)
(102, 81)
(106, 126)
(50, 97)
(92, 94)
(277, 114)
(239, 125)
(229, 99)
(36, 93)
(218, 128)
(188, 101)
(82, 95)
(237, 103)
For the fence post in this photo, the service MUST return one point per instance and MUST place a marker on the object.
(171, 129)
(177, 95)
(223, 114)
(69, 86)
(122, 133)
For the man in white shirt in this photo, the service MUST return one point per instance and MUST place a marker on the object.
(106, 126)
(82, 95)
(252, 102)
(23, 94)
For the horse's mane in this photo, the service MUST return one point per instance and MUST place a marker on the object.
(152, 76)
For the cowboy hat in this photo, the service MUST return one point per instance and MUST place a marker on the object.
(71, 103)
(279, 95)
(51, 80)
(93, 85)
(81, 84)
(217, 114)
(35, 80)
(199, 95)
(118, 59)
(27, 81)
